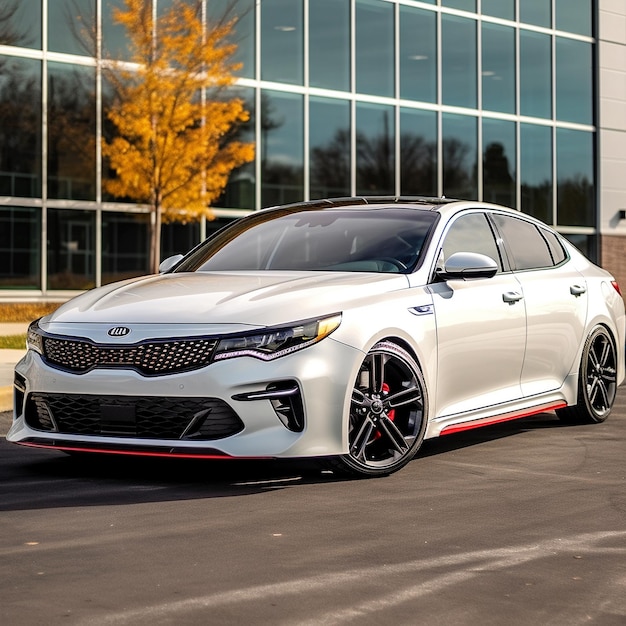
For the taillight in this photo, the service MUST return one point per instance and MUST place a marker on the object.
(616, 287)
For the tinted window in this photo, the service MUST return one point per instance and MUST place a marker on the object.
(471, 233)
(282, 41)
(349, 240)
(529, 248)
(458, 60)
(556, 249)
(418, 54)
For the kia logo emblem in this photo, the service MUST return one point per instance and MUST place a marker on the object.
(119, 331)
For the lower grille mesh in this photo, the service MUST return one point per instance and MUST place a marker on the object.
(129, 416)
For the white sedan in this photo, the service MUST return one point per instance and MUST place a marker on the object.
(348, 330)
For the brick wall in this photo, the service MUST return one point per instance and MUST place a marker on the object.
(613, 258)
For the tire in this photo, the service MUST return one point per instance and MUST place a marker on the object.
(597, 381)
(388, 414)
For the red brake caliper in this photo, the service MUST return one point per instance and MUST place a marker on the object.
(391, 414)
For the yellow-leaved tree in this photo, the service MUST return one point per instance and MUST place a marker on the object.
(173, 146)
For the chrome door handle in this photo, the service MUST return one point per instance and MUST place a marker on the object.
(512, 296)
(577, 290)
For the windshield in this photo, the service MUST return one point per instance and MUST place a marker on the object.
(349, 240)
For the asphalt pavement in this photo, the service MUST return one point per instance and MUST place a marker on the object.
(8, 359)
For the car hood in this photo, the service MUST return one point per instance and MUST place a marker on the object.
(230, 298)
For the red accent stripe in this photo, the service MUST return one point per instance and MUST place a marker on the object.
(497, 419)
(178, 455)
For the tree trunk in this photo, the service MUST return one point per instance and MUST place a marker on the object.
(155, 238)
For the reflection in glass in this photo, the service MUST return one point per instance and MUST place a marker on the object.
(20, 248)
(240, 189)
(20, 23)
(574, 83)
(536, 171)
(72, 26)
(179, 238)
(574, 171)
(499, 159)
(458, 59)
(330, 147)
(499, 8)
(418, 54)
(375, 150)
(587, 244)
(535, 74)
(282, 148)
(243, 12)
(460, 148)
(20, 127)
(374, 47)
(282, 41)
(114, 39)
(463, 5)
(71, 132)
(418, 152)
(574, 16)
(71, 249)
(498, 68)
(329, 44)
(125, 242)
(538, 12)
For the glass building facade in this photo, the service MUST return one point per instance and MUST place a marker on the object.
(489, 100)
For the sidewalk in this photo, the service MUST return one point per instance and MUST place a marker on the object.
(8, 359)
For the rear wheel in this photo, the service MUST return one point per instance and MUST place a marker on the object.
(388, 413)
(597, 381)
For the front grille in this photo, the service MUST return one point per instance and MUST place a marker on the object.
(201, 419)
(150, 358)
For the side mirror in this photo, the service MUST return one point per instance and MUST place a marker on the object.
(464, 265)
(167, 264)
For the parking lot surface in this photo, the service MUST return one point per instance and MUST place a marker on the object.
(523, 523)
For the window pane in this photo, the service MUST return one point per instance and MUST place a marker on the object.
(418, 152)
(499, 162)
(282, 148)
(537, 12)
(458, 61)
(575, 179)
(243, 12)
(330, 147)
(20, 248)
(114, 38)
(20, 130)
(471, 233)
(72, 26)
(240, 189)
(418, 54)
(499, 8)
(463, 5)
(498, 68)
(587, 244)
(20, 23)
(329, 44)
(374, 47)
(179, 238)
(125, 246)
(282, 41)
(71, 249)
(535, 74)
(375, 150)
(71, 132)
(574, 16)
(530, 250)
(574, 83)
(460, 148)
(536, 171)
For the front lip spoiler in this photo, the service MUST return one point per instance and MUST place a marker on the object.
(136, 451)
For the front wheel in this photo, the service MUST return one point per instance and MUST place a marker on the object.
(388, 413)
(597, 381)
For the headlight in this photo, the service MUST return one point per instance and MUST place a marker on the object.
(273, 343)
(34, 339)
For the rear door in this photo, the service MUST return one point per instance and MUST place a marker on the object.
(555, 297)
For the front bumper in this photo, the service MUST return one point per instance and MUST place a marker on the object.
(104, 410)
